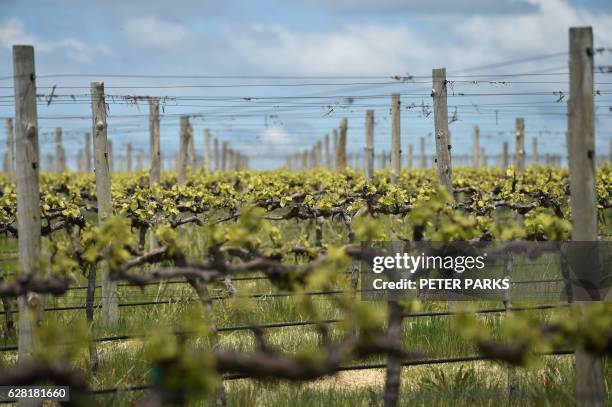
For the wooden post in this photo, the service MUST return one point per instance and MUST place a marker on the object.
(394, 322)
(319, 151)
(183, 154)
(140, 160)
(224, 147)
(28, 191)
(110, 300)
(80, 160)
(335, 146)
(483, 157)
(206, 150)
(304, 156)
(111, 156)
(50, 163)
(410, 162)
(590, 387)
(129, 157)
(326, 151)
(534, 152)
(10, 150)
(422, 151)
(87, 152)
(443, 147)
(476, 146)
(341, 159)
(155, 151)
(232, 160)
(60, 154)
(192, 152)
(216, 154)
(396, 163)
(505, 157)
(520, 145)
(154, 144)
(369, 145)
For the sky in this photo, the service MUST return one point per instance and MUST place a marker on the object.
(273, 76)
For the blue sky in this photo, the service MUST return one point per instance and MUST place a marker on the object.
(352, 47)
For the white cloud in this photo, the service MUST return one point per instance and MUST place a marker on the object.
(531, 33)
(419, 6)
(12, 32)
(275, 135)
(153, 32)
(385, 49)
(365, 49)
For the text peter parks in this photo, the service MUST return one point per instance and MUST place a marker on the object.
(470, 271)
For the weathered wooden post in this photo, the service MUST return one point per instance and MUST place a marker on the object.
(369, 145)
(326, 151)
(50, 162)
(534, 151)
(206, 150)
(224, 148)
(60, 154)
(216, 154)
(10, 150)
(505, 157)
(396, 163)
(111, 165)
(140, 159)
(476, 146)
(128, 153)
(191, 151)
(394, 320)
(422, 151)
(590, 386)
(520, 145)
(28, 192)
(410, 162)
(335, 146)
(87, 152)
(80, 158)
(319, 152)
(155, 151)
(154, 143)
(443, 147)
(110, 300)
(312, 154)
(341, 159)
(183, 154)
(231, 159)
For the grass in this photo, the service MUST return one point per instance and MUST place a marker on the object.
(122, 363)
